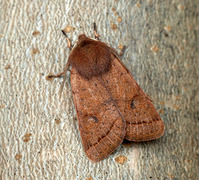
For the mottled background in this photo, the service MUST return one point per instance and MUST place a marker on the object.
(39, 137)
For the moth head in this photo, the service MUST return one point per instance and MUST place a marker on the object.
(81, 37)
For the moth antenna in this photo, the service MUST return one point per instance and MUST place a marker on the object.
(95, 31)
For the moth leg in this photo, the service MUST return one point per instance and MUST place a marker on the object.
(69, 45)
(95, 31)
(59, 75)
(62, 74)
(122, 51)
(118, 55)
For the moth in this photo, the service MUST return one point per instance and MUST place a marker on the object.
(110, 105)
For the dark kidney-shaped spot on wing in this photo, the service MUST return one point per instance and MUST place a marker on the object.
(135, 102)
(132, 104)
(91, 121)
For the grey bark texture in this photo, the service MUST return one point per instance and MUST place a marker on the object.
(39, 137)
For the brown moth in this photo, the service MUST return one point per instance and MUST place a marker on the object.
(110, 105)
